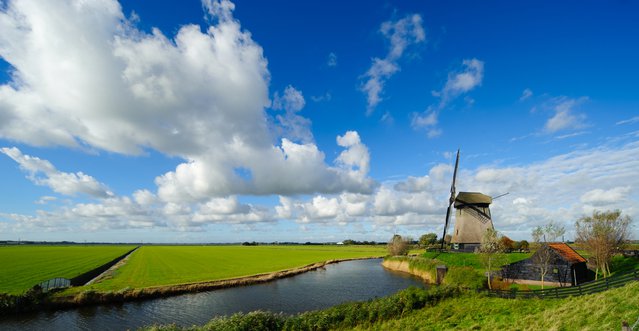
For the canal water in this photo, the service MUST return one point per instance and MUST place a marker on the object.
(336, 283)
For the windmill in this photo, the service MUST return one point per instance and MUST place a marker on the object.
(472, 217)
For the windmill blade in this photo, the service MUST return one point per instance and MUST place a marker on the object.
(451, 199)
(501, 195)
(452, 187)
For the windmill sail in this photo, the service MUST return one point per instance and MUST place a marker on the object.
(451, 199)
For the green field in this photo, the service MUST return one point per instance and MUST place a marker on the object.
(170, 265)
(470, 259)
(25, 266)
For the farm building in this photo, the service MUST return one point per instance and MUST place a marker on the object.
(565, 267)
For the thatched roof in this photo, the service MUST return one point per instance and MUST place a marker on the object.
(472, 198)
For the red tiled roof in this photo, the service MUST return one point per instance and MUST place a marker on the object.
(567, 252)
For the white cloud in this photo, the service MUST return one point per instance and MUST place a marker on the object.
(42, 172)
(332, 60)
(45, 200)
(629, 121)
(458, 82)
(564, 117)
(463, 81)
(94, 80)
(599, 197)
(291, 101)
(290, 124)
(527, 93)
(561, 188)
(401, 34)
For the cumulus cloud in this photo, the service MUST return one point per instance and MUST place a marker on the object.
(291, 125)
(42, 172)
(459, 82)
(400, 34)
(102, 83)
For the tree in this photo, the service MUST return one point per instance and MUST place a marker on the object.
(544, 254)
(491, 252)
(602, 235)
(398, 245)
(524, 245)
(428, 239)
(507, 243)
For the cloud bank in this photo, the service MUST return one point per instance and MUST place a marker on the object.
(94, 80)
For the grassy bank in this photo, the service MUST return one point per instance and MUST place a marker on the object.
(152, 266)
(602, 311)
(25, 266)
(445, 308)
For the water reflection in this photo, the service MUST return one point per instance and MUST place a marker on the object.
(337, 283)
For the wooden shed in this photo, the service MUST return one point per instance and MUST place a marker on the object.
(565, 268)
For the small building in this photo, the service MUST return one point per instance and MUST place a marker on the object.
(565, 268)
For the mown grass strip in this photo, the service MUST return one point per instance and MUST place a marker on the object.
(24, 266)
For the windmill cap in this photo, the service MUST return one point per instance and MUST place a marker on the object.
(472, 198)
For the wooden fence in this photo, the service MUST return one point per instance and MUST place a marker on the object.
(563, 292)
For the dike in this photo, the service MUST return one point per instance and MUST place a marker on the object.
(404, 266)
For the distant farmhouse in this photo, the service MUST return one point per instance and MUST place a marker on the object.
(566, 268)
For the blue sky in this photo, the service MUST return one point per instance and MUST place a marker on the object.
(311, 121)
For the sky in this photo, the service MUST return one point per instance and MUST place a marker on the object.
(220, 121)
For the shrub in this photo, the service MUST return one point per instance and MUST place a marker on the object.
(253, 321)
(398, 245)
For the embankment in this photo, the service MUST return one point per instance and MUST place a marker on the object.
(407, 265)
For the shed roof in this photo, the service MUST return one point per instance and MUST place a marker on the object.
(567, 252)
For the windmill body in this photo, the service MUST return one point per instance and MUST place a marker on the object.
(472, 219)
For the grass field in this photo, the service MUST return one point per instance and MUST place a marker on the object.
(170, 265)
(602, 311)
(22, 267)
(470, 259)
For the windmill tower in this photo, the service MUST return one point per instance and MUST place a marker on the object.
(472, 217)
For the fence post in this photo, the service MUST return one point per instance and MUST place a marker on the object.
(607, 286)
(556, 293)
(580, 290)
